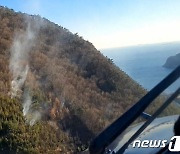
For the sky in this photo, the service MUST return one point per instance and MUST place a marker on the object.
(110, 23)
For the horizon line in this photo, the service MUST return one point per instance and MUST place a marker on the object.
(136, 45)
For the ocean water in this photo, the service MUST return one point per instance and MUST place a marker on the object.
(145, 63)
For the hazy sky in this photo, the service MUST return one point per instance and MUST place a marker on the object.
(110, 23)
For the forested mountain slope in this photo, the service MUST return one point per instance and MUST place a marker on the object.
(56, 90)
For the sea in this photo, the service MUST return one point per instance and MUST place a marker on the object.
(144, 63)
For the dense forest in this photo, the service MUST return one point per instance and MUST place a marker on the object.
(73, 91)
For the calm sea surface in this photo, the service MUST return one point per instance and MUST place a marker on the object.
(144, 63)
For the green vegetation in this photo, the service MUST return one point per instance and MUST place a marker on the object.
(17, 136)
(78, 90)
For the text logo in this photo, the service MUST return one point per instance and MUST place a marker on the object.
(149, 143)
(174, 144)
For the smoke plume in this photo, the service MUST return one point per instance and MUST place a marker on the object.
(31, 115)
(19, 67)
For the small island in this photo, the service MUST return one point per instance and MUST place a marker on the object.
(172, 61)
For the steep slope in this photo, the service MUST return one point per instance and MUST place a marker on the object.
(58, 83)
(173, 61)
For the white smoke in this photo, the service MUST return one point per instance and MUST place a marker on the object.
(18, 82)
(20, 49)
(30, 114)
(35, 117)
(27, 101)
(19, 67)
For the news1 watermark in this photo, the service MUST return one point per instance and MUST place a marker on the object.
(174, 144)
